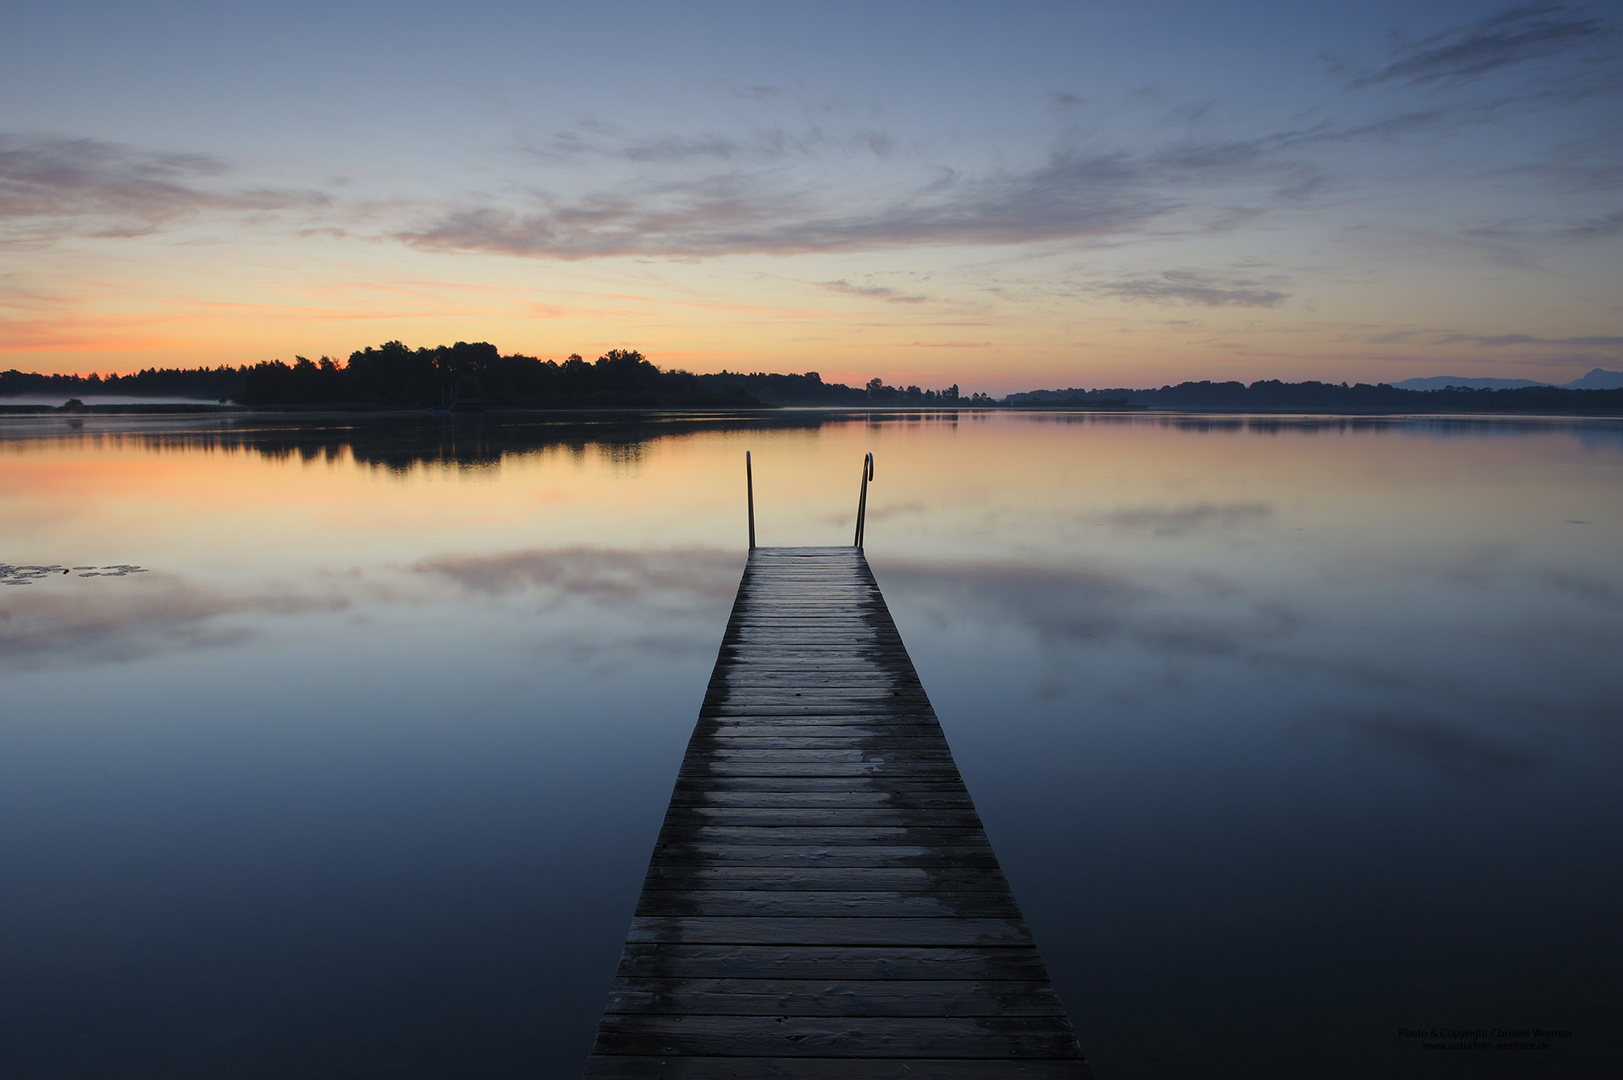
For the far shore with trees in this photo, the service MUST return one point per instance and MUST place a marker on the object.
(475, 377)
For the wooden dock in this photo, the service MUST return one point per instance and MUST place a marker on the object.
(822, 900)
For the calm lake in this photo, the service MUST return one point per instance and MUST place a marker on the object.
(341, 746)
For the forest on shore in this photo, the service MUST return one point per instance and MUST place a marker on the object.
(475, 376)
(468, 376)
(1274, 396)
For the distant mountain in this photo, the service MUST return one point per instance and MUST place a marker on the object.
(1598, 379)
(1441, 382)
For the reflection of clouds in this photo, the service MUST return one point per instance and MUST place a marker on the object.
(612, 599)
(43, 626)
(1483, 711)
(598, 605)
(1448, 747)
(1585, 587)
(874, 513)
(599, 573)
(1183, 520)
(1074, 603)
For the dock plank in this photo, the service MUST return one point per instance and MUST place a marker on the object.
(822, 900)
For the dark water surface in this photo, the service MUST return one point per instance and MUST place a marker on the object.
(340, 749)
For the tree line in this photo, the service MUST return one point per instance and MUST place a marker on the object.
(221, 383)
(810, 389)
(1273, 395)
(476, 375)
(471, 375)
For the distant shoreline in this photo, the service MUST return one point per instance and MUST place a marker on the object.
(350, 409)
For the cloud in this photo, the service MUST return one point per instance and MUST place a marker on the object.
(759, 93)
(1496, 341)
(1514, 36)
(1072, 193)
(1609, 225)
(877, 292)
(761, 146)
(603, 140)
(1194, 287)
(774, 191)
(52, 185)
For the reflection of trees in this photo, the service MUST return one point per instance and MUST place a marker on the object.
(468, 441)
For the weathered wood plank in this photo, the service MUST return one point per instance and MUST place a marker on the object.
(696, 876)
(759, 733)
(858, 856)
(835, 997)
(683, 819)
(745, 930)
(664, 960)
(896, 788)
(688, 1067)
(735, 738)
(747, 903)
(846, 799)
(876, 770)
(846, 1036)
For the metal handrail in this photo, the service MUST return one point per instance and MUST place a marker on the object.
(862, 501)
(749, 488)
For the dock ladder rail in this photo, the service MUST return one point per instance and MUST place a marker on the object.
(862, 499)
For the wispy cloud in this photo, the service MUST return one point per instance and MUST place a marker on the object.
(758, 93)
(876, 292)
(1071, 194)
(836, 181)
(51, 185)
(1194, 287)
(1494, 341)
(1514, 36)
(754, 145)
(1595, 228)
(775, 191)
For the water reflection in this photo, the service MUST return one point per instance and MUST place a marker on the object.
(1288, 731)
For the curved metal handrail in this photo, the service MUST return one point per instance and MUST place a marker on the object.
(749, 488)
(862, 500)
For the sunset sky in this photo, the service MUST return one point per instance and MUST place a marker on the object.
(1001, 196)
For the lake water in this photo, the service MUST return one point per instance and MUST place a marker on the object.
(343, 752)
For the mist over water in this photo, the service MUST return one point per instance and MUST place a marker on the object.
(1289, 732)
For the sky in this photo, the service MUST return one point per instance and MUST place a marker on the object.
(1002, 196)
